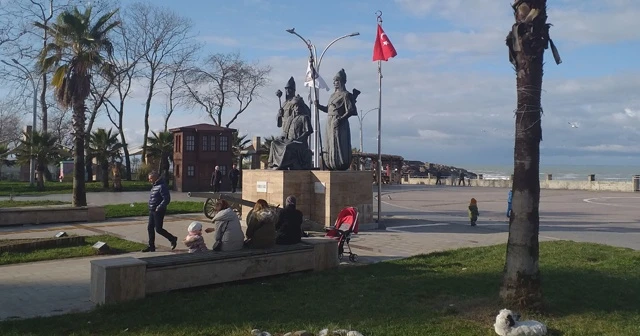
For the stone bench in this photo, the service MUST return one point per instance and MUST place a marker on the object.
(50, 215)
(127, 278)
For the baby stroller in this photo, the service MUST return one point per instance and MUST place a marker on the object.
(346, 225)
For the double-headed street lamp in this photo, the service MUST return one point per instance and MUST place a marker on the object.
(313, 56)
(35, 110)
(360, 119)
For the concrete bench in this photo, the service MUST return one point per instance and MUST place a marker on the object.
(50, 214)
(127, 278)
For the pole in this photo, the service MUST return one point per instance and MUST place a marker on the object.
(379, 138)
(360, 120)
(33, 129)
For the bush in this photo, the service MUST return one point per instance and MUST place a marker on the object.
(142, 173)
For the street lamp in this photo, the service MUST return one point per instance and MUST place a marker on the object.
(35, 110)
(313, 56)
(360, 119)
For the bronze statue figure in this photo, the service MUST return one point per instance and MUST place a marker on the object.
(342, 105)
(291, 149)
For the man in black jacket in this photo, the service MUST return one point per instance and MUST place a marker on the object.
(216, 179)
(289, 225)
(234, 176)
(158, 201)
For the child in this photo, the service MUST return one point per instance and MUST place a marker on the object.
(194, 241)
(473, 212)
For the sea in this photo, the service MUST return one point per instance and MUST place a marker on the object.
(561, 172)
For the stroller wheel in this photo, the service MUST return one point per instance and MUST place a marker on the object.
(339, 256)
(353, 257)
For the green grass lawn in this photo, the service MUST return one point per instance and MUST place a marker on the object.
(16, 204)
(589, 289)
(142, 209)
(117, 245)
(22, 188)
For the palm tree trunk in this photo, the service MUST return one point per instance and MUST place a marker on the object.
(40, 183)
(79, 197)
(104, 166)
(521, 285)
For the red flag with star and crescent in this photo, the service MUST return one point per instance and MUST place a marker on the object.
(383, 50)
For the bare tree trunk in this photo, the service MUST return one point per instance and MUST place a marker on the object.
(79, 197)
(87, 150)
(43, 104)
(127, 159)
(521, 285)
(152, 79)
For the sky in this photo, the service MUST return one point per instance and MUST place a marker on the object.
(449, 95)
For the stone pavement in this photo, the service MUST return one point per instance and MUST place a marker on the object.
(419, 219)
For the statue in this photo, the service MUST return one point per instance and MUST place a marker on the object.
(291, 149)
(342, 105)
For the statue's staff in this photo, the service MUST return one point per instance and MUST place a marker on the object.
(279, 94)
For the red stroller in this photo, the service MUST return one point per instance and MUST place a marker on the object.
(346, 225)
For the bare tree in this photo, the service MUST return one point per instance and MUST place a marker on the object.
(61, 126)
(24, 42)
(177, 93)
(10, 122)
(125, 63)
(159, 36)
(527, 41)
(101, 89)
(225, 80)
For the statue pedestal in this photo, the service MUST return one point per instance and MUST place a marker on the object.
(320, 194)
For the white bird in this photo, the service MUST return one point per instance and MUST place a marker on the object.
(508, 324)
(573, 125)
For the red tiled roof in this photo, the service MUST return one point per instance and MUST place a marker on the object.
(201, 127)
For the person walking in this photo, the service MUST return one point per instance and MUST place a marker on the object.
(216, 179)
(234, 176)
(158, 201)
(461, 178)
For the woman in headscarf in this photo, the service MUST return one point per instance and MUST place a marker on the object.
(289, 225)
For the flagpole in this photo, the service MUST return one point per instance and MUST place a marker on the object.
(379, 174)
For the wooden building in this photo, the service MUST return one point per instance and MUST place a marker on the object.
(197, 149)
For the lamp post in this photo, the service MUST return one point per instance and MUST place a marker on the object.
(315, 62)
(360, 119)
(35, 110)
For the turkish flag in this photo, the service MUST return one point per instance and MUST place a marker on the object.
(383, 50)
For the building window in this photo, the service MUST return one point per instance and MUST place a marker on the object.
(205, 143)
(178, 143)
(224, 143)
(178, 171)
(212, 143)
(223, 170)
(191, 143)
(191, 170)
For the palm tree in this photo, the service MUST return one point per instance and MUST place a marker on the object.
(78, 49)
(43, 148)
(105, 147)
(527, 40)
(160, 148)
(266, 149)
(238, 144)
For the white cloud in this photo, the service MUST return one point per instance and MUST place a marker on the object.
(434, 111)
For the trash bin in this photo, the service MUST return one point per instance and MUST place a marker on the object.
(636, 182)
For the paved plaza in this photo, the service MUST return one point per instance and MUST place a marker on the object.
(418, 219)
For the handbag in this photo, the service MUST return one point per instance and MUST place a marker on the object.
(217, 245)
